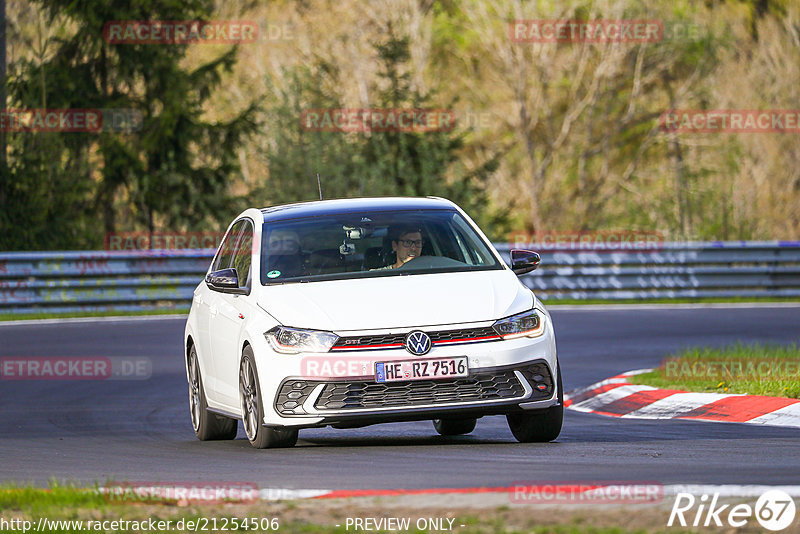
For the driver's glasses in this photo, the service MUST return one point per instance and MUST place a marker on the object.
(411, 243)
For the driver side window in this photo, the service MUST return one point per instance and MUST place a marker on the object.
(225, 253)
(243, 254)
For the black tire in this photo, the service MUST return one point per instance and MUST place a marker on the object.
(207, 426)
(454, 427)
(542, 426)
(260, 436)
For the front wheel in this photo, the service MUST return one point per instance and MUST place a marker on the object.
(454, 427)
(539, 427)
(260, 436)
(207, 426)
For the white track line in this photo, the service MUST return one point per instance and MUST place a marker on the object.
(599, 401)
(581, 391)
(674, 405)
(281, 494)
(724, 490)
(786, 416)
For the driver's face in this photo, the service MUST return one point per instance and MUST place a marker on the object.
(407, 246)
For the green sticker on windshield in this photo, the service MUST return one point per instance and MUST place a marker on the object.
(273, 274)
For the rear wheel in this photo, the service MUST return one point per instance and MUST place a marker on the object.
(454, 427)
(207, 426)
(260, 436)
(542, 426)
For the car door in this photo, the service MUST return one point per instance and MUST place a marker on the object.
(205, 300)
(201, 307)
(229, 319)
(210, 306)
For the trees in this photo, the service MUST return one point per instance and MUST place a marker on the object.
(366, 163)
(174, 170)
(584, 115)
(567, 138)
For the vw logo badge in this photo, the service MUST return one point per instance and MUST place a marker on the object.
(418, 343)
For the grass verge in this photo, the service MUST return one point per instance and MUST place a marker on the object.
(770, 370)
(73, 504)
(73, 315)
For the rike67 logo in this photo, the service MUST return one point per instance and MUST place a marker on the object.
(774, 510)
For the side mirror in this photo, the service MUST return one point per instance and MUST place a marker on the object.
(225, 281)
(524, 261)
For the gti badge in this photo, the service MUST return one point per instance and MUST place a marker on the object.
(418, 343)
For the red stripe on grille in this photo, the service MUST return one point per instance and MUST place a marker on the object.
(464, 339)
(346, 347)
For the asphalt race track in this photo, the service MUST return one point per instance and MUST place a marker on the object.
(87, 431)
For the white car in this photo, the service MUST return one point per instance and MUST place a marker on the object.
(354, 312)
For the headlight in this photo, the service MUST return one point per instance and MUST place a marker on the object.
(528, 323)
(293, 340)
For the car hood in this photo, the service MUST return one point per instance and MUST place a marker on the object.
(397, 301)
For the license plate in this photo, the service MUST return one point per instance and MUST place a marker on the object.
(421, 369)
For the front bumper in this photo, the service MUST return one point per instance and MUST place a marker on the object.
(485, 391)
(505, 376)
(301, 397)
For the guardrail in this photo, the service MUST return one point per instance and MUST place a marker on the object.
(142, 280)
(675, 270)
(100, 281)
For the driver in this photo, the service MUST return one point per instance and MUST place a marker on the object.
(407, 245)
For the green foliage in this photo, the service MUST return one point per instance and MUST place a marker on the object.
(572, 142)
(769, 370)
(408, 163)
(65, 190)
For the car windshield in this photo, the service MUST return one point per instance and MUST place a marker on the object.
(371, 244)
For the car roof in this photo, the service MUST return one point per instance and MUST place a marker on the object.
(353, 205)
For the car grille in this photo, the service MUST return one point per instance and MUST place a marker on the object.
(463, 333)
(364, 394)
(440, 337)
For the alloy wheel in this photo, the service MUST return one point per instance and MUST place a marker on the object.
(249, 399)
(194, 390)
